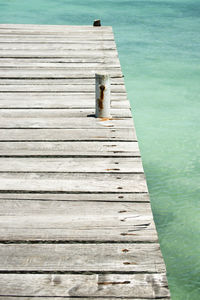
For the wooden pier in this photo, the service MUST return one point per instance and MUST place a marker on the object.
(75, 216)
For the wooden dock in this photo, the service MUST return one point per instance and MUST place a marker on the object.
(75, 216)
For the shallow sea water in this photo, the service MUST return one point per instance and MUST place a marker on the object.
(159, 47)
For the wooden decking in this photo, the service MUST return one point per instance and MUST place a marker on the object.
(75, 216)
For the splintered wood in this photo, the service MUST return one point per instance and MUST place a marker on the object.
(75, 220)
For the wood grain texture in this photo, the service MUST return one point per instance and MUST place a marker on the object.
(104, 134)
(35, 40)
(78, 257)
(60, 100)
(73, 164)
(54, 72)
(62, 95)
(99, 34)
(57, 27)
(72, 285)
(65, 60)
(56, 88)
(107, 45)
(111, 197)
(57, 113)
(74, 221)
(80, 149)
(54, 37)
(69, 81)
(68, 61)
(49, 29)
(71, 182)
(65, 123)
(86, 114)
(119, 107)
(81, 95)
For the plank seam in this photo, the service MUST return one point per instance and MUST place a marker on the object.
(67, 192)
(75, 201)
(72, 242)
(70, 156)
(108, 140)
(77, 272)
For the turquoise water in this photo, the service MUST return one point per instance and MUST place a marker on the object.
(158, 44)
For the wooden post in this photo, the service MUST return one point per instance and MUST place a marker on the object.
(97, 23)
(102, 96)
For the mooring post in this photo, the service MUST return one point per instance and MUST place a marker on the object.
(97, 23)
(102, 96)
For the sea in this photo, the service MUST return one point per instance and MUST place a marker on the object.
(159, 48)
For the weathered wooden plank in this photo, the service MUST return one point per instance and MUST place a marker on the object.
(71, 37)
(80, 149)
(75, 164)
(56, 88)
(52, 39)
(108, 134)
(70, 182)
(67, 60)
(59, 67)
(76, 108)
(107, 45)
(103, 34)
(76, 221)
(68, 96)
(47, 26)
(58, 53)
(64, 123)
(57, 64)
(55, 72)
(73, 96)
(96, 285)
(62, 113)
(60, 33)
(98, 44)
(78, 257)
(56, 37)
(57, 27)
(128, 197)
(70, 81)
(64, 95)
(62, 29)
